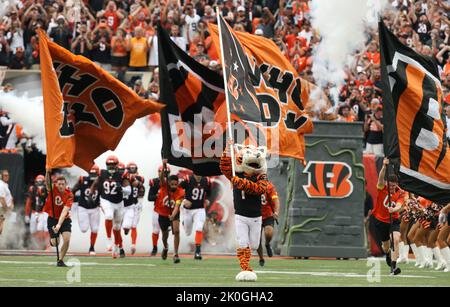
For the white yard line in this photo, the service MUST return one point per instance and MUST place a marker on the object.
(335, 274)
(82, 263)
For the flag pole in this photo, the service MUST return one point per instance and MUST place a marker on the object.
(227, 100)
(50, 183)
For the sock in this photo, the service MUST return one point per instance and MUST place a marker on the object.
(401, 246)
(133, 236)
(437, 255)
(248, 255)
(406, 251)
(423, 254)
(117, 238)
(93, 238)
(155, 237)
(108, 226)
(429, 254)
(415, 252)
(242, 259)
(198, 237)
(393, 265)
(445, 252)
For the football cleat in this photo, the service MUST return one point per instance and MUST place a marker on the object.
(109, 245)
(176, 259)
(91, 251)
(397, 271)
(164, 253)
(154, 251)
(133, 249)
(262, 262)
(122, 253)
(198, 256)
(269, 251)
(115, 252)
(61, 264)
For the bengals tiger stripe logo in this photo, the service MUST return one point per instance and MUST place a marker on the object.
(328, 180)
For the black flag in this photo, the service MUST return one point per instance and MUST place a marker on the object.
(192, 94)
(414, 123)
(241, 96)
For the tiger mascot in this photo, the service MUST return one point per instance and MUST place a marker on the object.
(249, 183)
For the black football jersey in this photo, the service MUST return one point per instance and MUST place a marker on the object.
(132, 198)
(196, 192)
(85, 190)
(110, 186)
(246, 204)
(38, 195)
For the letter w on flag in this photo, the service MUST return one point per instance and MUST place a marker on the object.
(86, 110)
(414, 122)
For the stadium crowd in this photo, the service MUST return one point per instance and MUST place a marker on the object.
(121, 36)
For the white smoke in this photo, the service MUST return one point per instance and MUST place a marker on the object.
(29, 113)
(341, 25)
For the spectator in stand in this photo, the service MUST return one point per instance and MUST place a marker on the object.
(4, 48)
(119, 54)
(190, 20)
(153, 88)
(82, 43)
(138, 48)
(175, 35)
(373, 127)
(112, 15)
(18, 61)
(242, 18)
(345, 114)
(101, 45)
(61, 34)
(15, 37)
(139, 89)
(267, 23)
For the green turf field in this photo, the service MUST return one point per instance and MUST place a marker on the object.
(141, 271)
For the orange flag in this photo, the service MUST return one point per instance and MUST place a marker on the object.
(279, 88)
(87, 111)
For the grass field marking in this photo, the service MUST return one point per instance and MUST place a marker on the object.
(336, 274)
(82, 263)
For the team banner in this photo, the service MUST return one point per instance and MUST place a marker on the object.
(192, 94)
(414, 122)
(87, 110)
(276, 86)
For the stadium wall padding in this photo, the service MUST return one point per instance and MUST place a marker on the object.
(329, 224)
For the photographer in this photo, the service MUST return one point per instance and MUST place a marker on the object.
(82, 44)
(373, 127)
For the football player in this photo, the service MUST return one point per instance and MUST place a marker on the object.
(196, 189)
(34, 216)
(270, 211)
(152, 195)
(133, 211)
(112, 188)
(88, 206)
(167, 206)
